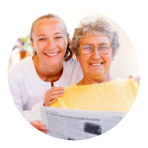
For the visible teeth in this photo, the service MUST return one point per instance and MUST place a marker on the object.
(96, 64)
(52, 54)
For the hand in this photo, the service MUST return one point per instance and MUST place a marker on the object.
(52, 95)
(38, 125)
(137, 79)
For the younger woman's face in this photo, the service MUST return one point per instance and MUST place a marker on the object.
(50, 41)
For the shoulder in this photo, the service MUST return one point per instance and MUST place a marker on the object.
(73, 69)
(72, 62)
(20, 68)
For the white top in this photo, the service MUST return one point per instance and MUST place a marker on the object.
(28, 89)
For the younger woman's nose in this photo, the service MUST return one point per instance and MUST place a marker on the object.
(51, 44)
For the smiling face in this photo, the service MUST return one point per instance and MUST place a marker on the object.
(50, 41)
(96, 67)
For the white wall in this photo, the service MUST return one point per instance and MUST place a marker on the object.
(126, 61)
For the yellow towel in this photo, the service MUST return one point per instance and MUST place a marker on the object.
(115, 95)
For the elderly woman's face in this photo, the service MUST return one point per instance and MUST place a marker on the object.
(95, 65)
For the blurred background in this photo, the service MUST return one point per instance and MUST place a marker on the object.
(126, 61)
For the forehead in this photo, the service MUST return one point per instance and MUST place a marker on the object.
(49, 25)
(95, 40)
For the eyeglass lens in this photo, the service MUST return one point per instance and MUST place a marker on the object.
(89, 49)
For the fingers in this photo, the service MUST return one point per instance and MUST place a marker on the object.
(39, 126)
(51, 102)
(137, 79)
(130, 77)
(55, 89)
(39, 122)
(52, 94)
(56, 92)
(44, 131)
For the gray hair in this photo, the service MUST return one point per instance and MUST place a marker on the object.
(99, 26)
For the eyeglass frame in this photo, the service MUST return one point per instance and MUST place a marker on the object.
(94, 48)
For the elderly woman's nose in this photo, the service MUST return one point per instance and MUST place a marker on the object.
(96, 53)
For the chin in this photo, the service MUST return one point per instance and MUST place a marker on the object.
(53, 63)
(100, 74)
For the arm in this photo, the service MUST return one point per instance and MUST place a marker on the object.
(16, 93)
(16, 88)
(33, 115)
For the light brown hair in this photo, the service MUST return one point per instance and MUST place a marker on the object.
(69, 53)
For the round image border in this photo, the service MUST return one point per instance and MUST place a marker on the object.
(141, 55)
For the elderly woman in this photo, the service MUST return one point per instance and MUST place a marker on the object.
(95, 45)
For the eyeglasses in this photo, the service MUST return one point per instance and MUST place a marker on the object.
(88, 49)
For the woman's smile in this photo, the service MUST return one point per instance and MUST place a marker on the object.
(54, 54)
(96, 67)
(96, 64)
(50, 41)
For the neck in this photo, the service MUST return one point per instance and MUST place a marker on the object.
(88, 81)
(46, 72)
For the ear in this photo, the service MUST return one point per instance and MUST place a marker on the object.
(77, 57)
(31, 43)
(113, 58)
(68, 40)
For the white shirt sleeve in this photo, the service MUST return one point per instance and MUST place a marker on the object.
(15, 90)
(34, 113)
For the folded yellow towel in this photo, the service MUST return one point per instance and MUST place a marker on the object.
(115, 95)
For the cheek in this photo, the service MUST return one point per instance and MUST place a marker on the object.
(38, 48)
(107, 57)
(38, 45)
(84, 60)
(108, 60)
(62, 45)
